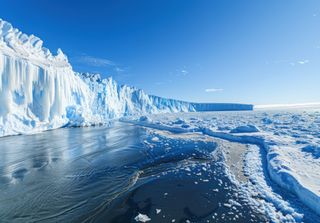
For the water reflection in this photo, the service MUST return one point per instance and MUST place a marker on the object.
(61, 174)
(74, 175)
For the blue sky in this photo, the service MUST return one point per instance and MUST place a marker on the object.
(258, 51)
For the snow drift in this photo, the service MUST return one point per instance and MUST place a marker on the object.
(40, 91)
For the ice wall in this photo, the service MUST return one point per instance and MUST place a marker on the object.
(221, 107)
(40, 91)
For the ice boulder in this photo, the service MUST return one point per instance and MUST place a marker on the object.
(245, 129)
(312, 150)
(144, 119)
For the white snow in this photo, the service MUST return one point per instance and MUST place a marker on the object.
(272, 203)
(289, 138)
(287, 106)
(142, 218)
(40, 91)
(245, 129)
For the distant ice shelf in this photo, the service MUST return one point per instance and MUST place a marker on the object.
(40, 91)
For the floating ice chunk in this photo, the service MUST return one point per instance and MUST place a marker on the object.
(235, 203)
(158, 211)
(155, 139)
(142, 218)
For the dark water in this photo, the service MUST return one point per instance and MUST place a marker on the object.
(110, 174)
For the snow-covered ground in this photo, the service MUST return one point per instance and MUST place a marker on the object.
(289, 139)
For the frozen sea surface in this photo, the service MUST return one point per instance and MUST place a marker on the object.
(282, 159)
(184, 167)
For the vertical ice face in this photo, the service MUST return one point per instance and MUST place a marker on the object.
(38, 94)
(40, 91)
(37, 90)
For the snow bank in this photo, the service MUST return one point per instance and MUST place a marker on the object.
(293, 171)
(261, 186)
(40, 91)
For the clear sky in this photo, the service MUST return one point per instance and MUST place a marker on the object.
(258, 51)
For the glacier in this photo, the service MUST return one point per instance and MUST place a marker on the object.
(40, 91)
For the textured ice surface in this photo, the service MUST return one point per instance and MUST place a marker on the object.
(245, 129)
(40, 91)
(142, 218)
(290, 140)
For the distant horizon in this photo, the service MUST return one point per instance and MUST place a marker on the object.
(293, 105)
(248, 52)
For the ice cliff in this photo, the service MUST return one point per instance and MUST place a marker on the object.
(40, 91)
